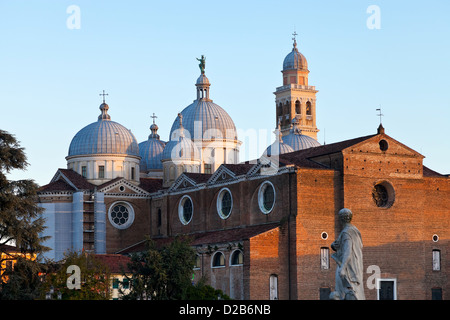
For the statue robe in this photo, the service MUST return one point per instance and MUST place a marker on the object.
(349, 243)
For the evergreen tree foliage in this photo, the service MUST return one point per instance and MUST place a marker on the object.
(20, 223)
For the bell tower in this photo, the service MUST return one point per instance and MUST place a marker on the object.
(296, 98)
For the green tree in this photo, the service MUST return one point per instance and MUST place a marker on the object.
(20, 221)
(94, 278)
(161, 273)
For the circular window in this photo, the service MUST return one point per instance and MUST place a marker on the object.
(383, 194)
(383, 145)
(185, 210)
(324, 235)
(224, 203)
(266, 197)
(435, 238)
(121, 215)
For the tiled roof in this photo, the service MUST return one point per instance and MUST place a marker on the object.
(77, 179)
(239, 169)
(228, 235)
(116, 263)
(302, 157)
(58, 185)
(427, 172)
(210, 237)
(198, 177)
(150, 184)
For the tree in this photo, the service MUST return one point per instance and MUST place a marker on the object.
(94, 278)
(20, 219)
(161, 273)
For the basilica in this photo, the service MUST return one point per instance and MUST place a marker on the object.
(261, 228)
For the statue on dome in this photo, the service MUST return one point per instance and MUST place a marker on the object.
(202, 64)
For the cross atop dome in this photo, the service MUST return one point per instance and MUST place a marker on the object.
(295, 41)
(104, 108)
(103, 94)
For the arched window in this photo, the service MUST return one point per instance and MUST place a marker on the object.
(298, 110)
(218, 260)
(159, 222)
(172, 172)
(308, 108)
(237, 258)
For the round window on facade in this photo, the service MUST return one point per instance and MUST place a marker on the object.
(266, 197)
(121, 215)
(185, 210)
(383, 194)
(383, 145)
(224, 203)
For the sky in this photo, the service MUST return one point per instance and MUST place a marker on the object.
(362, 55)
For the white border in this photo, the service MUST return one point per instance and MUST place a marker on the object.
(386, 279)
(231, 258)
(219, 203)
(214, 258)
(180, 210)
(261, 197)
(130, 215)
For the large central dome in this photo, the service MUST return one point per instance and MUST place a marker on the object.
(205, 120)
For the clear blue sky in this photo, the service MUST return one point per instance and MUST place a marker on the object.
(143, 54)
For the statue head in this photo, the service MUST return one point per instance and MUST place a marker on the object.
(345, 215)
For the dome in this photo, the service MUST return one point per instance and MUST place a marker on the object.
(104, 137)
(180, 147)
(295, 60)
(278, 147)
(205, 120)
(151, 151)
(151, 154)
(298, 141)
(202, 80)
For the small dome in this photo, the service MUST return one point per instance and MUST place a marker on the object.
(104, 137)
(297, 141)
(300, 141)
(180, 147)
(202, 80)
(151, 154)
(151, 151)
(295, 60)
(278, 147)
